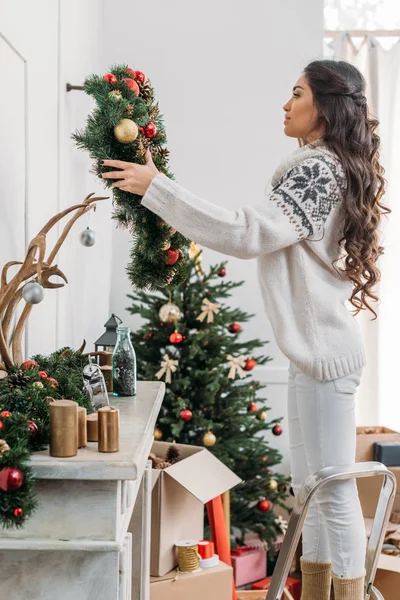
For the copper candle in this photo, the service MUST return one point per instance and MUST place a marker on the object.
(82, 432)
(63, 428)
(108, 429)
(92, 427)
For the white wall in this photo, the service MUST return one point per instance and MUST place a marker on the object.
(222, 72)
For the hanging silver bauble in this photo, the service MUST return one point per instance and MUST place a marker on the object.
(169, 313)
(33, 293)
(88, 237)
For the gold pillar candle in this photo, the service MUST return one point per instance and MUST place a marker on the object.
(63, 428)
(108, 429)
(92, 427)
(82, 431)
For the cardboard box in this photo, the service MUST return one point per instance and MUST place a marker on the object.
(210, 584)
(387, 578)
(369, 489)
(249, 566)
(251, 595)
(367, 436)
(178, 497)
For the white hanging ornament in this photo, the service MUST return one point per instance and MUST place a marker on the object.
(88, 237)
(33, 293)
(170, 313)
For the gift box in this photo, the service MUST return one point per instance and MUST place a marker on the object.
(249, 564)
(214, 583)
(388, 453)
(292, 585)
(367, 436)
(178, 497)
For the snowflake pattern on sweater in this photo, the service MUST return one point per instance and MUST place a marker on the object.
(308, 192)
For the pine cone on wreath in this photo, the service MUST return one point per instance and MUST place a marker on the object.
(154, 112)
(129, 110)
(146, 92)
(163, 153)
(4, 447)
(18, 379)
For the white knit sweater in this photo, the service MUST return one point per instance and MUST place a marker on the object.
(294, 235)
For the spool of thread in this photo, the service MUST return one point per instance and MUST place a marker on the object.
(82, 430)
(108, 429)
(208, 557)
(92, 427)
(188, 556)
(63, 428)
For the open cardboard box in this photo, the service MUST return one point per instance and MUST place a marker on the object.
(178, 497)
(365, 441)
(214, 583)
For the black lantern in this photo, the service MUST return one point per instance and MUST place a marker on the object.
(109, 337)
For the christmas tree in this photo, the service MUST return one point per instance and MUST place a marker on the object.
(191, 340)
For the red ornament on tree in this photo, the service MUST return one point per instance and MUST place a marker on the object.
(130, 72)
(5, 413)
(250, 364)
(222, 272)
(264, 505)
(110, 78)
(277, 429)
(43, 375)
(32, 428)
(150, 130)
(141, 77)
(53, 382)
(11, 479)
(171, 256)
(18, 512)
(1, 425)
(235, 328)
(252, 407)
(30, 364)
(132, 85)
(186, 414)
(175, 338)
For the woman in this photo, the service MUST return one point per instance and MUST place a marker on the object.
(316, 241)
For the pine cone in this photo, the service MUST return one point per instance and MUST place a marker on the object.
(154, 112)
(173, 455)
(18, 379)
(163, 153)
(146, 92)
(4, 447)
(129, 110)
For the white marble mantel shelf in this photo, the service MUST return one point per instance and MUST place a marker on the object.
(137, 414)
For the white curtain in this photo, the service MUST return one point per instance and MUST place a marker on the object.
(378, 399)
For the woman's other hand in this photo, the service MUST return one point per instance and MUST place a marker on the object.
(132, 177)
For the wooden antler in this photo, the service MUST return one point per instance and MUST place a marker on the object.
(34, 268)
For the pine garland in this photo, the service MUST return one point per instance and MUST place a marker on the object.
(25, 395)
(115, 101)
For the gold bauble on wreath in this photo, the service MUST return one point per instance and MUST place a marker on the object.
(209, 439)
(126, 131)
(157, 434)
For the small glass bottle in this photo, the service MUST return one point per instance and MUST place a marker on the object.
(124, 364)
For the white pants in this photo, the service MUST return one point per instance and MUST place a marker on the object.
(322, 433)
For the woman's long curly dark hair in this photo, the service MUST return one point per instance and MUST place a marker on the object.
(350, 132)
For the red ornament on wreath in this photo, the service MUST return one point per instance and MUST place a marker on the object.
(141, 130)
(264, 505)
(132, 85)
(43, 375)
(235, 328)
(150, 130)
(222, 272)
(250, 364)
(277, 429)
(110, 78)
(130, 72)
(186, 415)
(252, 407)
(11, 479)
(32, 428)
(18, 512)
(5, 413)
(171, 256)
(176, 337)
(140, 77)
(29, 364)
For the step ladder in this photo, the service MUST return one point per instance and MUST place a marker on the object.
(375, 542)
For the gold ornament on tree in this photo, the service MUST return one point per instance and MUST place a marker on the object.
(35, 268)
(236, 364)
(273, 485)
(262, 416)
(170, 313)
(209, 309)
(195, 254)
(157, 434)
(209, 439)
(168, 366)
(126, 131)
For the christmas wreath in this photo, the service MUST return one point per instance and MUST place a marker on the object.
(125, 122)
